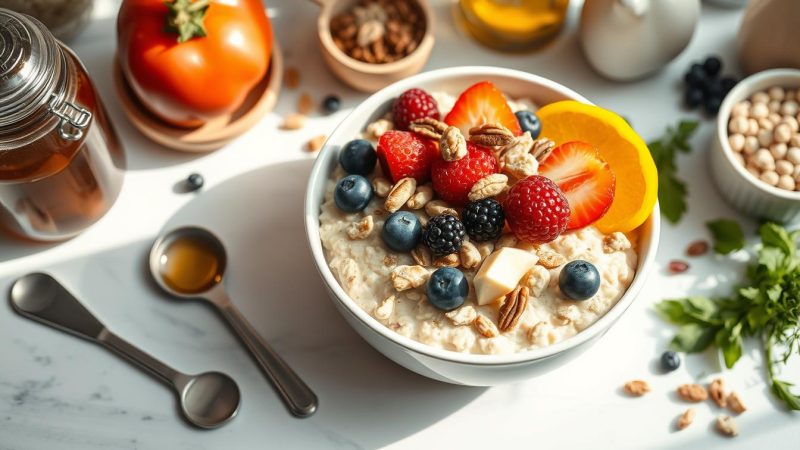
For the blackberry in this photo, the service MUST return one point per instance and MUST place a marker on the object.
(444, 235)
(484, 219)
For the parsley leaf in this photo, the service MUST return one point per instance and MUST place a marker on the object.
(727, 234)
(767, 308)
(671, 189)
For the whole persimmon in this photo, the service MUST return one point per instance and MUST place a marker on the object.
(191, 61)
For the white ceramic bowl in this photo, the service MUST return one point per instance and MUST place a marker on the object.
(443, 365)
(742, 190)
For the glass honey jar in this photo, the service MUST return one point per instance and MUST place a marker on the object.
(61, 163)
(513, 25)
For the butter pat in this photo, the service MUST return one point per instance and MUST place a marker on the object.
(501, 272)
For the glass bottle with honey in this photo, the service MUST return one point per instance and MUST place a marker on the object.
(513, 25)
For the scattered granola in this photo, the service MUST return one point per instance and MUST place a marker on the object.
(291, 78)
(692, 393)
(716, 390)
(361, 229)
(488, 186)
(376, 129)
(385, 309)
(293, 121)
(485, 326)
(727, 426)
(305, 104)
(735, 403)
(616, 242)
(409, 277)
(697, 248)
(550, 259)
(464, 315)
(451, 260)
(452, 144)
(315, 144)
(686, 419)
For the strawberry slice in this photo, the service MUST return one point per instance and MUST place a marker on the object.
(482, 103)
(585, 178)
(405, 154)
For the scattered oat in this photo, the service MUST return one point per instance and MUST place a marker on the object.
(697, 248)
(293, 121)
(470, 256)
(408, 277)
(291, 78)
(376, 129)
(716, 390)
(315, 144)
(686, 419)
(464, 315)
(735, 403)
(636, 388)
(727, 426)
(421, 198)
(385, 309)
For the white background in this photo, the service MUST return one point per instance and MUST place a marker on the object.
(57, 392)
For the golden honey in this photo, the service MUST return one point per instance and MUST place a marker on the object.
(513, 24)
(190, 265)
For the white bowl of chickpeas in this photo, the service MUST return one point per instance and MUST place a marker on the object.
(755, 161)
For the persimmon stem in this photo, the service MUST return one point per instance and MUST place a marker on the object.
(186, 18)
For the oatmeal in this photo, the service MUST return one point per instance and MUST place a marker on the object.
(511, 284)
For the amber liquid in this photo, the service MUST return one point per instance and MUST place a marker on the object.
(52, 189)
(190, 265)
(513, 24)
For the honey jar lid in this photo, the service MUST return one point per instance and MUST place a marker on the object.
(29, 66)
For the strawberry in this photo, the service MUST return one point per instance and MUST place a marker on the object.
(482, 103)
(404, 154)
(452, 180)
(413, 104)
(585, 178)
(536, 209)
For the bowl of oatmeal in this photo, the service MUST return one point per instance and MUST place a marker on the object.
(432, 252)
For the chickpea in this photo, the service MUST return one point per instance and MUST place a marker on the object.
(782, 133)
(759, 110)
(769, 177)
(751, 145)
(740, 159)
(778, 150)
(793, 156)
(766, 124)
(794, 125)
(739, 124)
(776, 93)
(765, 137)
(784, 167)
(741, 109)
(775, 118)
(786, 182)
(763, 160)
(760, 97)
(774, 106)
(753, 170)
(736, 141)
(752, 127)
(790, 108)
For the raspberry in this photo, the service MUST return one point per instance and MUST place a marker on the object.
(404, 154)
(452, 180)
(444, 235)
(484, 220)
(536, 209)
(413, 104)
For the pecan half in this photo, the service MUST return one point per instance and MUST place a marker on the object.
(488, 186)
(692, 393)
(485, 326)
(400, 194)
(542, 148)
(716, 390)
(686, 419)
(452, 145)
(491, 135)
(408, 277)
(428, 127)
(636, 388)
(513, 308)
(735, 403)
(520, 146)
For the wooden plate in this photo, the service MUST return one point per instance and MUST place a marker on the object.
(215, 133)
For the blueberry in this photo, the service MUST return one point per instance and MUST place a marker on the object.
(529, 122)
(194, 182)
(712, 105)
(358, 157)
(727, 84)
(696, 76)
(352, 193)
(670, 361)
(712, 66)
(402, 231)
(447, 288)
(579, 280)
(331, 104)
(693, 97)
(714, 88)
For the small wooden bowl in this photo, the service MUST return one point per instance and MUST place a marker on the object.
(364, 76)
(215, 133)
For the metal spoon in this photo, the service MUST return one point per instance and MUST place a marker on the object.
(207, 400)
(190, 263)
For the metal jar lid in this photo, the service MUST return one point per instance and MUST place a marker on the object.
(30, 66)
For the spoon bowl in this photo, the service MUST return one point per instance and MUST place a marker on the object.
(210, 399)
(188, 262)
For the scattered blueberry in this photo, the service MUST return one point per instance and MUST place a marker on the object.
(712, 66)
(579, 280)
(712, 105)
(331, 104)
(727, 84)
(529, 121)
(696, 76)
(402, 231)
(714, 88)
(484, 219)
(670, 361)
(447, 288)
(352, 193)
(358, 157)
(194, 182)
(694, 97)
(444, 235)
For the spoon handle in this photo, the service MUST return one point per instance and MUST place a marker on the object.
(299, 398)
(148, 363)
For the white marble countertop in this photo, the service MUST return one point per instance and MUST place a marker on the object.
(58, 392)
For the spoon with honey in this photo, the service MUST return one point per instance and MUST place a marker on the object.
(190, 263)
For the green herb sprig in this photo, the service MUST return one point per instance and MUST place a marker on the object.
(767, 308)
(671, 189)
